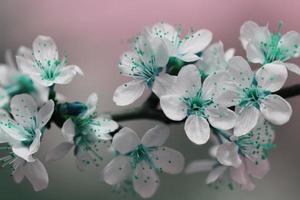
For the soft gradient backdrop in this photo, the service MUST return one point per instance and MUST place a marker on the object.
(94, 34)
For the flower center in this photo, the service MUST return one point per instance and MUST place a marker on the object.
(30, 135)
(253, 95)
(141, 153)
(272, 51)
(148, 73)
(197, 105)
(51, 69)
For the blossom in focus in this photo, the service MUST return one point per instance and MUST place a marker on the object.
(263, 46)
(184, 48)
(139, 161)
(23, 132)
(252, 94)
(45, 66)
(146, 65)
(84, 132)
(200, 103)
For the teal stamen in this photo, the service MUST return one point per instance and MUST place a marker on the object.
(253, 95)
(141, 153)
(197, 105)
(273, 51)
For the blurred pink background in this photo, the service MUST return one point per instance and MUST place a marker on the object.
(95, 33)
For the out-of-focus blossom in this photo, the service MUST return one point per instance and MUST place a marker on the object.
(45, 66)
(140, 160)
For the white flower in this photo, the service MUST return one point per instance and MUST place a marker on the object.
(252, 92)
(24, 131)
(242, 157)
(13, 82)
(264, 47)
(35, 172)
(140, 160)
(146, 65)
(84, 132)
(45, 66)
(199, 102)
(185, 49)
(214, 59)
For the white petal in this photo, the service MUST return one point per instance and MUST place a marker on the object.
(221, 117)
(129, 92)
(13, 130)
(215, 84)
(130, 64)
(25, 52)
(156, 136)
(241, 176)
(255, 54)
(215, 174)
(18, 173)
(246, 120)
(37, 175)
(197, 129)
(92, 102)
(67, 74)
(44, 49)
(196, 42)
(251, 32)
(125, 141)
(168, 160)
(161, 54)
(145, 180)
(35, 145)
(27, 66)
(164, 31)
(68, 130)
(155, 51)
(240, 71)
(59, 151)
(188, 80)
(45, 114)
(173, 107)
(103, 126)
(83, 158)
(229, 54)
(117, 170)
(162, 84)
(272, 76)
(230, 95)
(189, 57)
(276, 109)
(290, 44)
(24, 109)
(9, 58)
(199, 166)
(293, 68)
(213, 58)
(258, 170)
(227, 154)
(23, 152)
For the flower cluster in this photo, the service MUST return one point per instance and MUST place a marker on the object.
(216, 95)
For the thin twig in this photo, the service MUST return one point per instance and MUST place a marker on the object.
(151, 112)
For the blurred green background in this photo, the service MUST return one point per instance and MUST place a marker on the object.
(94, 34)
